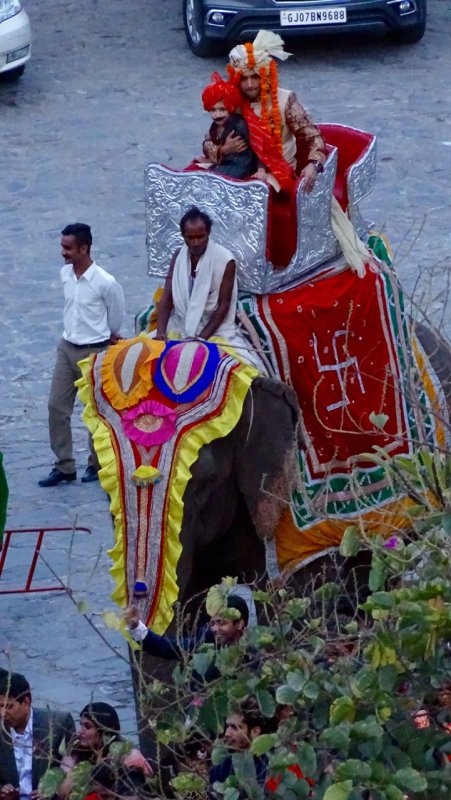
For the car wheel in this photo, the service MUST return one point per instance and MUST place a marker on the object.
(200, 44)
(13, 74)
(416, 32)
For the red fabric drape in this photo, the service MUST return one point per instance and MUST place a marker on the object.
(267, 151)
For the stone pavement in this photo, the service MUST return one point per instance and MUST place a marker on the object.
(111, 86)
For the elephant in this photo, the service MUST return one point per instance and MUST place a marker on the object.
(236, 488)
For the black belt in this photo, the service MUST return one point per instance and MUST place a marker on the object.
(90, 344)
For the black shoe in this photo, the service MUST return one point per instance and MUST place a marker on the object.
(56, 477)
(90, 475)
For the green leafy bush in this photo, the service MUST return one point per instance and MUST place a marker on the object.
(357, 702)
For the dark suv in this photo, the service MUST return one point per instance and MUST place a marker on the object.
(210, 25)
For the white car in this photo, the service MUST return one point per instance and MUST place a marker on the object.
(15, 38)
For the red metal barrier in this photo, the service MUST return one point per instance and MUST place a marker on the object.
(27, 589)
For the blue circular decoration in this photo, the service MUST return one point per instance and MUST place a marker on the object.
(185, 369)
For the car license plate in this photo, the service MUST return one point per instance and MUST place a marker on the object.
(334, 15)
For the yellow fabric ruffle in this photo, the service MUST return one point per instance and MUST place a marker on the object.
(152, 320)
(438, 411)
(109, 476)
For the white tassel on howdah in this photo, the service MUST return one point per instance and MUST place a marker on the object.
(354, 251)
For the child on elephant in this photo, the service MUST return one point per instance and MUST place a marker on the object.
(221, 99)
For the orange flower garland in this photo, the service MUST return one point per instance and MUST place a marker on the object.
(250, 55)
(270, 114)
(264, 99)
(275, 111)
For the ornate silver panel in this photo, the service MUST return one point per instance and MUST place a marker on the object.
(361, 180)
(239, 212)
(316, 242)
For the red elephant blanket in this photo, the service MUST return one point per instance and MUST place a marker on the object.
(342, 342)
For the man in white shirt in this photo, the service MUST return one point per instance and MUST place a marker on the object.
(94, 310)
(30, 738)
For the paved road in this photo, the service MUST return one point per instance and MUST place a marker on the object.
(110, 87)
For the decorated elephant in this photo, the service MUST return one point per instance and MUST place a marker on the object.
(213, 470)
(206, 462)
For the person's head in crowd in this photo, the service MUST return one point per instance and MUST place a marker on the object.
(346, 625)
(440, 703)
(99, 726)
(196, 754)
(228, 631)
(195, 227)
(284, 713)
(243, 726)
(15, 700)
(444, 695)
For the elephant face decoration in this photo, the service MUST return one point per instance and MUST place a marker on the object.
(151, 406)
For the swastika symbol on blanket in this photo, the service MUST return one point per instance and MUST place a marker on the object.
(340, 367)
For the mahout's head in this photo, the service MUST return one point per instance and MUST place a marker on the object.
(15, 700)
(195, 227)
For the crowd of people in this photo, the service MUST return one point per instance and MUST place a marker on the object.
(95, 762)
(94, 758)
